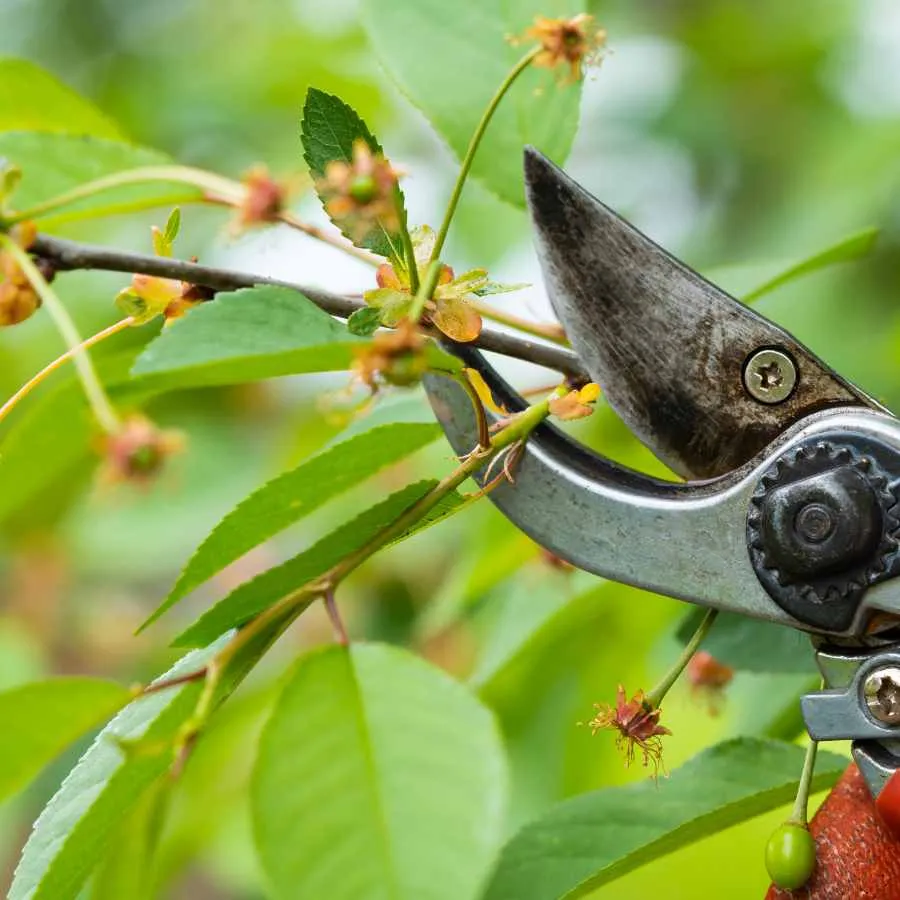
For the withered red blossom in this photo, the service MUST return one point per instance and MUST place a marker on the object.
(138, 451)
(571, 42)
(708, 679)
(361, 195)
(397, 357)
(18, 298)
(263, 200)
(637, 724)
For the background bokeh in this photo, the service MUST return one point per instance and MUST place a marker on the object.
(736, 134)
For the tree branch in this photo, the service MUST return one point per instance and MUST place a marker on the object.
(68, 255)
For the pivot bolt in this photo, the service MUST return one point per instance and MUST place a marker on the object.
(770, 376)
(882, 693)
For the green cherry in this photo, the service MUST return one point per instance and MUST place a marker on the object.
(363, 189)
(791, 856)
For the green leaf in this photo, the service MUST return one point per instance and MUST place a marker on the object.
(34, 100)
(377, 776)
(590, 840)
(750, 281)
(295, 494)
(53, 164)
(247, 335)
(72, 833)
(254, 596)
(45, 717)
(164, 239)
(364, 322)
(846, 250)
(458, 59)
(751, 645)
(328, 130)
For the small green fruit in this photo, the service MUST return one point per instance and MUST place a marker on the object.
(363, 189)
(791, 856)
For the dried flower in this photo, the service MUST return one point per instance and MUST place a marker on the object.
(397, 357)
(18, 298)
(708, 679)
(138, 451)
(576, 404)
(568, 42)
(449, 309)
(637, 724)
(263, 199)
(361, 195)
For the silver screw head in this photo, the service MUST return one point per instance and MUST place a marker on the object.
(882, 694)
(770, 376)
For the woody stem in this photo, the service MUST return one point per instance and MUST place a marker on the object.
(655, 696)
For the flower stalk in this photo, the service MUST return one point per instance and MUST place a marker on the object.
(51, 367)
(97, 398)
(656, 695)
(475, 142)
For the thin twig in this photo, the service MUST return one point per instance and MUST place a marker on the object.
(68, 255)
(156, 686)
(334, 615)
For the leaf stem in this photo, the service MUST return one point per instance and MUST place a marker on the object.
(474, 143)
(51, 367)
(425, 290)
(547, 330)
(655, 697)
(100, 404)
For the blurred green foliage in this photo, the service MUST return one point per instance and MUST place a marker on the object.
(735, 133)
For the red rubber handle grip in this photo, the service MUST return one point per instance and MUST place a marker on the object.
(857, 845)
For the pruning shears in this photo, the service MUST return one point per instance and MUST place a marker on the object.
(789, 512)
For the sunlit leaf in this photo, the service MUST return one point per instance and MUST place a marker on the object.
(754, 280)
(455, 63)
(476, 379)
(53, 164)
(45, 718)
(34, 100)
(258, 594)
(247, 335)
(72, 833)
(295, 494)
(377, 775)
(590, 840)
(457, 319)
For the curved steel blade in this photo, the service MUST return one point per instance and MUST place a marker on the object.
(667, 347)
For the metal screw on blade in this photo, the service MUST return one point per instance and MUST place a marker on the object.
(882, 693)
(770, 376)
